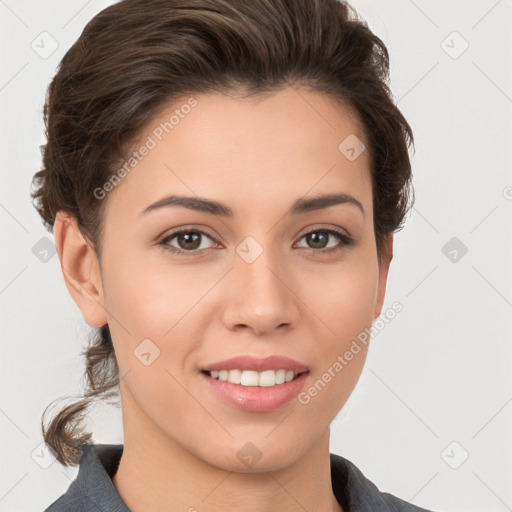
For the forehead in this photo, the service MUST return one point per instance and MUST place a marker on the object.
(251, 152)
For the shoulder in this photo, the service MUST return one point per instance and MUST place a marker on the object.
(92, 487)
(356, 492)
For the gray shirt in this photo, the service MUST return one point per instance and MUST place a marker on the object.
(93, 490)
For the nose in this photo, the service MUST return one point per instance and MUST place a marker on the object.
(262, 297)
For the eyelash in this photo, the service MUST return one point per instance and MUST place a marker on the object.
(345, 241)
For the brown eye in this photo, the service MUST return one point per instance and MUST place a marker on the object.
(188, 241)
(318, 240)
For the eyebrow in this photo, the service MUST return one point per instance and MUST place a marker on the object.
(201, 204)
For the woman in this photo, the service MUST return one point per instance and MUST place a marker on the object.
(223, 180)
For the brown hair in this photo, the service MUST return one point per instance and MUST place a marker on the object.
(134, 58)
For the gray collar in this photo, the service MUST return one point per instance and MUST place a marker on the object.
(93, 490)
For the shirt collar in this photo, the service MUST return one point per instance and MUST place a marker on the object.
(99, 463)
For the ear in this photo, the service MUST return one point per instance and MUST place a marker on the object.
(80, 269)
(387, 256)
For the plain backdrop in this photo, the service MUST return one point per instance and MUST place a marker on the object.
(431, 416)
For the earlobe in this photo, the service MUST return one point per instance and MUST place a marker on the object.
(80, 269)
(387, 256)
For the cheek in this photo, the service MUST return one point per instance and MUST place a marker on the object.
(150, 315)
(348, 312)
(344, 297)
(147, 294)
(351, 304)
(152, 308)
(345, 304)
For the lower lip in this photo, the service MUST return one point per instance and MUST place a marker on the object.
(256, 398)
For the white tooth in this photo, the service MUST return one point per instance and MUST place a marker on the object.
(267, 378)
(280, 376)
(249, 378)
(234, 376)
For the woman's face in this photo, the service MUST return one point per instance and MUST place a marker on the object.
(265, 280)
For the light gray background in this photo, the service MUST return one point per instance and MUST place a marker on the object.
(438, 373)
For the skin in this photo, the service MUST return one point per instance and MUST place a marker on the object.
(257, 157)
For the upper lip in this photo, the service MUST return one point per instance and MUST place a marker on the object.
(257, 364)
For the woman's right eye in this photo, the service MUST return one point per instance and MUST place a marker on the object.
(189, 240)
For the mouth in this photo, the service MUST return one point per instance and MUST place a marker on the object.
(251, 397)
(255, 384)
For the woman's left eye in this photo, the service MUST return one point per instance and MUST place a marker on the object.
(190, 241)
(319, 237)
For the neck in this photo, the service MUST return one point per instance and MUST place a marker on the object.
(156, 473)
